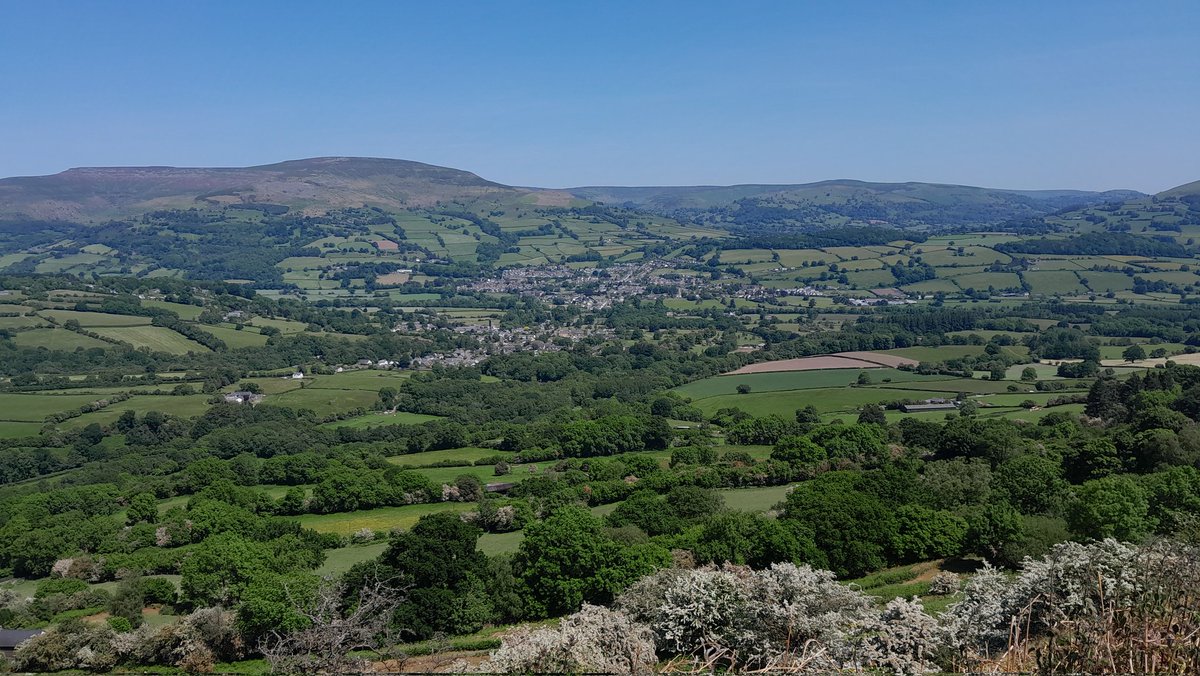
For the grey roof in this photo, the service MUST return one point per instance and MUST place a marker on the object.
(927, 407)
(11, 638)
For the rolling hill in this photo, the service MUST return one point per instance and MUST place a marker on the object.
(319, 183)
(842, 202)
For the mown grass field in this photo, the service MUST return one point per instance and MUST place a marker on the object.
(826, 400)
(90, 319)
(380, 419)
(247, 337)
(754, 499)
(325, 401)
(185, 406)
(380, 520)
(186, 312)
(465, 456)
(361, 379)
(18, 430)
(156, 338)
(57, 339)
(35, 407)
(794, 380)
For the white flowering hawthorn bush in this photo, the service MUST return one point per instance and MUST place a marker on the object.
(1100, 607)
(593, 640)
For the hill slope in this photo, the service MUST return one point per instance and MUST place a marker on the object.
(326, 182)
(841, 202)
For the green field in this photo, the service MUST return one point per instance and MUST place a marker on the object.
(824, 399)
(1052, 282)
(285, 326)
(234, 338)
(361, 379)
(485, 473)
(464, 456)
(338, 561)
(379, 419)
(754, 499)
(186, 312)
(57, 339)
(325, 401)
(90, 319)
(500, 543)
(22, 322)
(936, 354)
(794, 380)
(156, 338)
(17, 430)
(380, 520)
(35, 407)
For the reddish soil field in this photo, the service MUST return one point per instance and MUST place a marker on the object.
(891, 360)
(806, 364)
(386, 245)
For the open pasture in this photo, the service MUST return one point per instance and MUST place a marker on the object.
(380, 520)
(465, 456)
(35, 407)
(325, 401)
(16, 430)
(185, 406)
(826, 400)
(380, 419)
(155, 338)
(92, 319)
(935, 354)
(234, 338)
(21, 322)
(1051, 282)
(360, 379)
(186, 312)
(968, 385)
(57, 339)
(793, 380)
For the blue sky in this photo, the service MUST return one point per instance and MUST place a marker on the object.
(1091, 95)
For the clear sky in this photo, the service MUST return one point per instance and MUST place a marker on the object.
(1049, 94)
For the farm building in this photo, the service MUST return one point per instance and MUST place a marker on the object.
(11, 638)
(941, 406)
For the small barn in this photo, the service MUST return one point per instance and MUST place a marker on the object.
(11, 638)
(916, 408)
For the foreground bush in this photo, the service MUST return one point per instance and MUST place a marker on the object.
(1099, 608)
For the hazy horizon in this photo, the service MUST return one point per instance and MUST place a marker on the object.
(1080, 96)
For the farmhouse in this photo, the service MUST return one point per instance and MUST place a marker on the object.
(243, 398)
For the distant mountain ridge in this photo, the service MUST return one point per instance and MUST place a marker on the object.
(705, 196)
(323, 183)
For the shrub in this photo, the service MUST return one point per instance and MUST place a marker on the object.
(593, 640)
